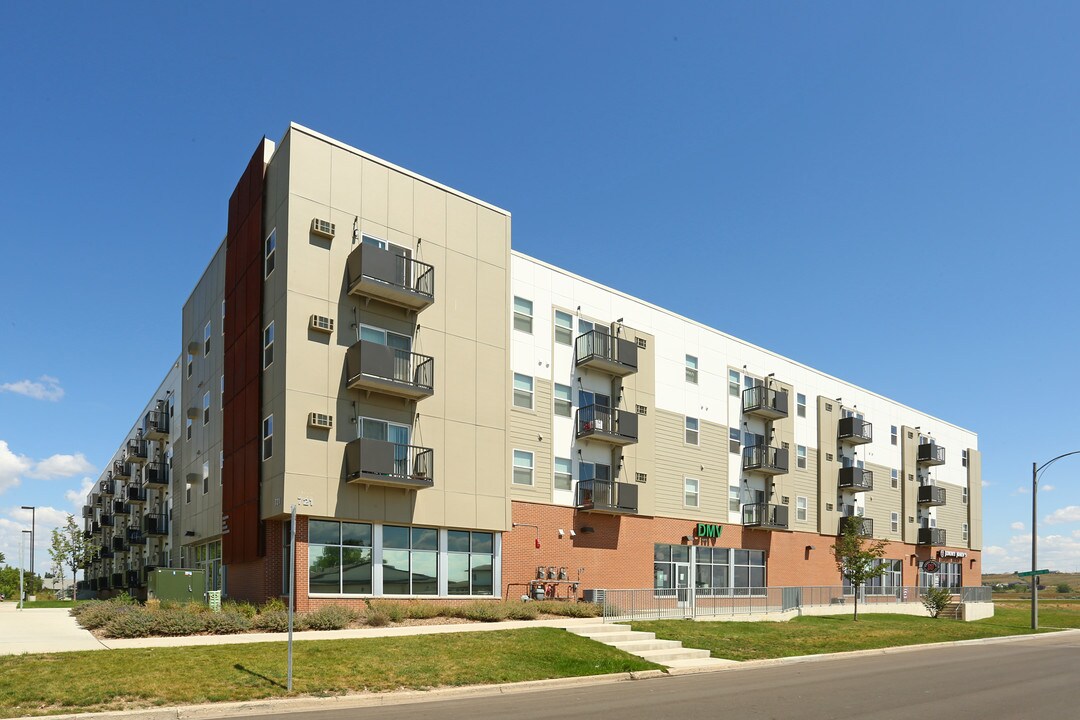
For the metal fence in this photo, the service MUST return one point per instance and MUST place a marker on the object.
(683, 603)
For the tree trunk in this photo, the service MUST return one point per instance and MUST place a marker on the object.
(856, 596)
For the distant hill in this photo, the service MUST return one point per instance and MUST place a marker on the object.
(1049, 580)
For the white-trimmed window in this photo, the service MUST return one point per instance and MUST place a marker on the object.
(523, 314)
(734, 440)
(223, 317)
(470, 563)
(187, 428)
(733, 383)
(268, 437)
(691, 431)
(268, 345)
(800, 456)
(963, 458)
(269, 251)
(564, 477)
(206, 339)
(523, 467)
(691, 369)
(563, 399)
(800, 508)
(523, 391)
(893, 434)
(894, 477)
(964, 532)
(187, 493)
(894, 522)
(691, 492)
(585, 326)
(205, 478)
(221, 383)
(964, 495)
(800, 404)
(734, 498)
(190, 363)
(564, 328)
(339, 557)
(206, 408)
(410, 560)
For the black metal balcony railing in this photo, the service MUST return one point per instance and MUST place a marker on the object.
(607, 496)
(765, 515)
(133, 579)
(136, 494)
(597, 422)
(103, 583)
(855, 431)
(134, 536)
(932, 536)
(856, 479)
(106, 552)
(95, 526)
(156, 473)
(765, 459)
(931, 495)
(931, 453)
(600, 350)
(87, 511)
(379, 462)
(118, 580)
(391, 276)
(371, 366)
(865, 525)
(107, 520)
(121, 470)
(156, 524)
(136, 450)
(765, 402)
(156, 425)
(119, 545)
(119, 507)
(107, 487)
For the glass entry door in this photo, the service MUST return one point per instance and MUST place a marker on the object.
(682, 582)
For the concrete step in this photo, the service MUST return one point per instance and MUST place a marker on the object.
(635, 646)
(628, 636)
(597, 629)
(664, 656)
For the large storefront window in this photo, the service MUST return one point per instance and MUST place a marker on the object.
(208, 558)
(716, 571)
(948, 576)
(339, 557)
(712, 573)
(410, 561)
(886, 584)
(470, 563)
(671, 566)
(749, 571)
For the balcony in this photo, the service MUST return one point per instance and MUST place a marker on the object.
(379, 368)
(107, 520)
(106, 552)
(864, 524)
(119, 545)
(598, 350)
(930, 453)
(107, 487)
(133, 578)
(390, 276)
(95, 526)
(121, 470)
(931, 536)
(119, 507)
(596, 422)
(103, 582)
(156, 425)
(855, 479)
(765, 459)
(765, 402)
(136, 494)
(765, 516)
(156, 524)
(118, 580)
(931, 495)
(87, 511)
(136, 451)
(607, 496)
(854, 431)
(156, 473)
(134, 536)
(378, 462)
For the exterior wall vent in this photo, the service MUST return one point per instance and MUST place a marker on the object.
(321, 323)
(642, 410)
(323, 228)
(641, 343)
(321, 421)
(641, 477)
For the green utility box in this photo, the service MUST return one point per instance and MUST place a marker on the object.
(177, 584)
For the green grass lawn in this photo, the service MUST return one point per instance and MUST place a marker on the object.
(839, 633)
(44, 604)
(120, 679)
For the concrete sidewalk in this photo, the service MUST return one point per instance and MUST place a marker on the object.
(42, 630)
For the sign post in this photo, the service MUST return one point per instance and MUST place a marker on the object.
(292, 586)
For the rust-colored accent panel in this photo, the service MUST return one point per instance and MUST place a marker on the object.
(242, 432)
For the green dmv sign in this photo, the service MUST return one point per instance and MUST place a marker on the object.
(708, 530)
(1029, 573)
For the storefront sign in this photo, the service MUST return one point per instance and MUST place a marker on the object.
(951, 554)
(707, 530)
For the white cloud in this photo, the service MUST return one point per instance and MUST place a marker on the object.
(78, 497)
(995, 551)
(57, 466)
(1056, 552)
(1067, 514)
(12, 523)
(1014, 526)
(1046, 488)
(1020, 491)
(44, 388)
(11, 466)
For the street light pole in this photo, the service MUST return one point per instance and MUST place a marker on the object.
(1035, 470)
(33, 516)
(22, 572)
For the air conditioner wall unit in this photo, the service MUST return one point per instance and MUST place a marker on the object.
(324, 228)
(321, 323)
(320, 420)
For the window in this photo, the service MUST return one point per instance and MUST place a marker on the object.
(749, 572)
(964, 496)
(594, 471)
(205, 478)
(187, 428)
(269, 248)
(800, 405)
(712, 571)
(584, 326)
(691, 369)
(339, 557)
(523, 467)
(893, 434)
(268, 437)
(691, 431)
(963, 458)
(470, 563)
(948, 576)
(208, 558)
(562, 400)
(172, 405)
(268, 345)
(734, 440)
(885, 584)
(734, 503)
(221, 392)
(964, 532)
(410, 561)
(691, 495)
(221, 467)
(733, 383)
(223, 317)
(894, 477)
(668, 560)
(800, 456)
(206, 339)
(564, 327)
(800, 508)
(563, 474)
(523, 391)
(523, 315)
(187, 493)
(894, 522)
(190, 363)
(206, 407)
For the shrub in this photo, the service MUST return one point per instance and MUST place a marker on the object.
(278, 621)
(136, 623)
(394, 611)
(377, 618)
(483, 611)
(227, 622)
(568, 609)
(330, 617)
(101, 614)
(248, 610)
(123, 599)
(935, 600)
(180, 622)
(521, 611)
(152, 604)
(423, 611)
(273, 605)
(82, 607)
(1064, 588)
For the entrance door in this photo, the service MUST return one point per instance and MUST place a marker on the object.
(682, 583)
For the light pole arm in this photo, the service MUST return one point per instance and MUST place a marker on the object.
(1035, 470)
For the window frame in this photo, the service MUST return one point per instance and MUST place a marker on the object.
(207, 330)
(800, 404)
(734, 383)
(692, 367)
(735, 439)
(568, 329)
(800, 456)
(804, 510)
(269, 253)
(205, 478)
(206, 408)
(894, 434)
(190, 364)
(558, 402)
(696, 492)
(531, 392)
(568, 475)
(894, 522)
(522, 318)
(268, 345)
(267, 437)
(516, 467)
(734, 494)
(696, 430)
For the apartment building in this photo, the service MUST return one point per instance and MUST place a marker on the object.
(453, 419)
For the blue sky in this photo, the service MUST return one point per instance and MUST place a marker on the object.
(909, 172)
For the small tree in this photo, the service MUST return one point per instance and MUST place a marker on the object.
(935, 600)
(1064, 588)
(56, 552)
(74, 549)
(858, 557)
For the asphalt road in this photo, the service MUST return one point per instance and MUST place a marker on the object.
(1036, 677)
